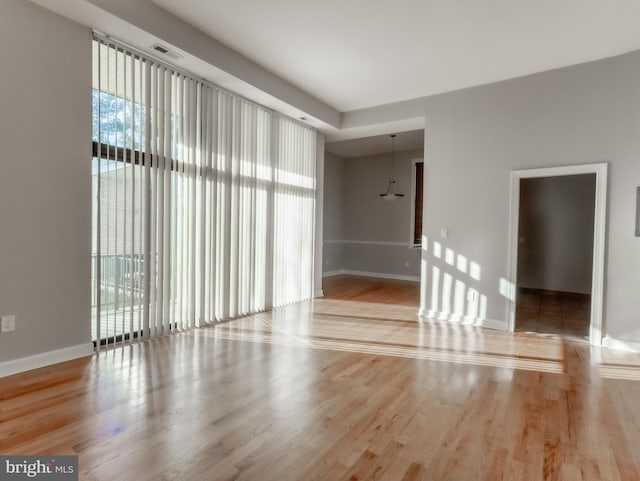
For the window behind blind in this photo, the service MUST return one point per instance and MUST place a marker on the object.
(203, 201)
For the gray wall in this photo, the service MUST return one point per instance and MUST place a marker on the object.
(555, 249)
(374, 234)
(367, 215)
(45, 180)
(474, 138)
(333, 220)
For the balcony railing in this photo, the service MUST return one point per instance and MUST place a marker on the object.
(119, 303)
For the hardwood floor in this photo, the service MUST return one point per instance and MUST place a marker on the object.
(335, 390)
(545, 312)
(367, 289)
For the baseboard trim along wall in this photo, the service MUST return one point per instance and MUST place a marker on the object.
(613, 343)
(467, 320)
(28, 363)
(370, 243)
(319, 293)
(332, 273)
(397, 277)
(494, 324)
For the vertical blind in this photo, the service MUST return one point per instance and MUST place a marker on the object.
(203, 201)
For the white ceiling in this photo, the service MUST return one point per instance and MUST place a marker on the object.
(358, 69)
(412, 140)
(360, 53)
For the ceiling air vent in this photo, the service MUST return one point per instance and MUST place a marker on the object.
(165, 51)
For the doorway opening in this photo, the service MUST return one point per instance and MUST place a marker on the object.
(371, 239)
(557, 250)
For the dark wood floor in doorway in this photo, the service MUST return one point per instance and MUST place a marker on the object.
(550, 312)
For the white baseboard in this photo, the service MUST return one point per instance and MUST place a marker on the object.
(468, 320)
(369, 242)
(381, 275)
(494, 324)
(431, 313)
(332, 273)
(28, 363)
(613, 343)
(318, 293)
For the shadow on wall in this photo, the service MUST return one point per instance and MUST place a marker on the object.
(451, 287)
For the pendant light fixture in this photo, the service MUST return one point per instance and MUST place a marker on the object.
(390, 194)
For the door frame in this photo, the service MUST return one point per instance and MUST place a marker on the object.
(599, 229)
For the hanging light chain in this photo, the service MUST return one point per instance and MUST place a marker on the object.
(390, 194)
(393, 159)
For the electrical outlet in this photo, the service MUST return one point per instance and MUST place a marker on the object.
(8, 323)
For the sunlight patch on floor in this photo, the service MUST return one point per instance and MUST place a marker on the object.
(372, 348)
